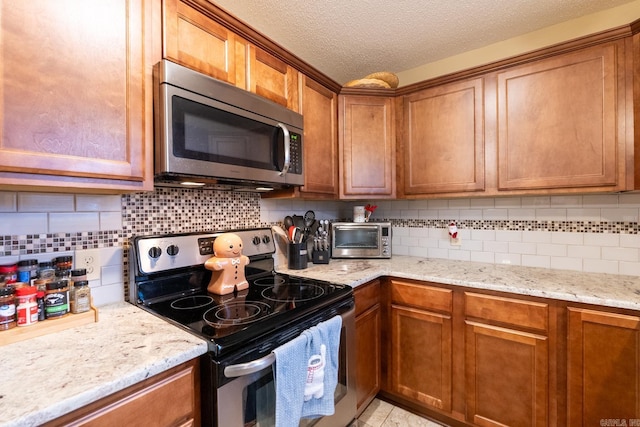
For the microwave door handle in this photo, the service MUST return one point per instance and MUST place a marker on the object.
(243, 369)
(287, 149)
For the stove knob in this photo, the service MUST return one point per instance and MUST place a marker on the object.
(173, 250)
(155, 252)
(256, 240)
(266, 239)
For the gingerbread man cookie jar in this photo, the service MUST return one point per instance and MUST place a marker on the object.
(227, 265)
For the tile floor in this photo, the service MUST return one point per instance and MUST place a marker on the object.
(382, 414)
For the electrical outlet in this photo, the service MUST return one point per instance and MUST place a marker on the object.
(90, 260)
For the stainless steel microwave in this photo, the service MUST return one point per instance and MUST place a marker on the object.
(212, 133)
(361, 240)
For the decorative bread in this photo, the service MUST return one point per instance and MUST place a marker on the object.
(370, 83)
(385, 76)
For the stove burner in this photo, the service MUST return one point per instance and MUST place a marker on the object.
(269, 281)
(293, 292)
(235, 313)
(192, 302)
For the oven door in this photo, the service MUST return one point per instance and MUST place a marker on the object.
(249, 400)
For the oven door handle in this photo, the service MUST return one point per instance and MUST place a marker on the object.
(242, 369)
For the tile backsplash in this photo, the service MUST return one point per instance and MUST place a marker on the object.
(591, 233)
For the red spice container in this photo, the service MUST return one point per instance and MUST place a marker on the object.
(27, 308)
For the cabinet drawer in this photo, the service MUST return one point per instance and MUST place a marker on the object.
(422, 296)
(366, 296)
(508, 311)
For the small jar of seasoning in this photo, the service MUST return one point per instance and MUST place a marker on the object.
(46, 271)
(7, 308)
(56, 299)
(78, 275)
(81, 297)
(64, 263)
(40, 301)
(10, 273)
(27, 270)
(27, 307)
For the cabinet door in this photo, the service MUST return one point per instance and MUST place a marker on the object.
(171, 398)
(368, 356)
(421, 356)
(603, 372)
(76, 94)
(192, 38)
(506, 376)
(273, 79)
(558, 122)
(443, 145)
(320, 112)
(366, 146)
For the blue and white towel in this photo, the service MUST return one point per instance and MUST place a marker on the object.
(306, 374)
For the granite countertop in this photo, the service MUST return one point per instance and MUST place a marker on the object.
(49, 376)
(601, 289)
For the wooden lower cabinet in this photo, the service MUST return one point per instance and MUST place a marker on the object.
(169, 399)
(506, 376)
(368, 327)
(506, 361)
(421, 344)
(603, 372)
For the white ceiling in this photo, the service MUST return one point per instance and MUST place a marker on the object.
(348, 39)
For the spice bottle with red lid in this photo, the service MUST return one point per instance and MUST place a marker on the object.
(27, 308)
(10, 272)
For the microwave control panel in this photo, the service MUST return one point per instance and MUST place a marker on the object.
(295, 151)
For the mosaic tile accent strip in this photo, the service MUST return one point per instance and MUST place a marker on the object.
(59, 242)
(174, 210)
(505, 225)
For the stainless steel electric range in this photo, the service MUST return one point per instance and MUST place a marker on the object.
(168, 278)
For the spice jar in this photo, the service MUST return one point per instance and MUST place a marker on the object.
(78, 275)
(81, 297)
(10, 272)
(7, 308)
(56, 300)
(27, 308)
(27, 270)
(46, 271)
(40, 302)
(64, 262)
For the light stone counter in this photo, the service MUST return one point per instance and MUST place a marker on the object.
(601, 289)
(46, 377)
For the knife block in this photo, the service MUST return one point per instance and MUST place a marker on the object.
(320, 257)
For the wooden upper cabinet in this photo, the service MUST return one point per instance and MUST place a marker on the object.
(603, 372)
(76, 94)
(319, 109)
(192, 38)
(561, 122)
(443, 141)
(273, 79)
(367, 147)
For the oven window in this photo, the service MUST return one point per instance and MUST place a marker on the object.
(202, 132)
(357, 237)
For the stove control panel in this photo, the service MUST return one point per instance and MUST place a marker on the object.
(156, 254)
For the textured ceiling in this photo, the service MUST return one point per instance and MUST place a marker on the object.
(348, 39)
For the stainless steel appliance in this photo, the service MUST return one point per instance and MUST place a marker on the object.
(242, 329)
(210, 132)
(361, 240)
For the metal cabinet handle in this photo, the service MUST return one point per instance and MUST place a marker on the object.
(242, 369)
(287, 149)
